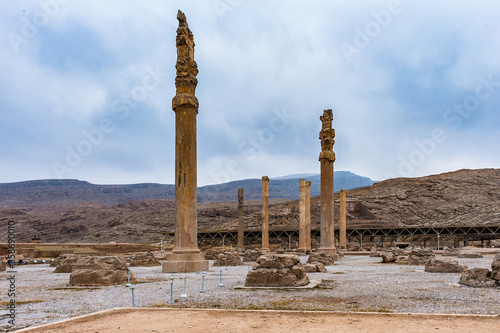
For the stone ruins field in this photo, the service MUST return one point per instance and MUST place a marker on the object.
(353, 284)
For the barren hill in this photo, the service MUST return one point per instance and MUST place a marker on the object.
(465, 197)
(50, 192)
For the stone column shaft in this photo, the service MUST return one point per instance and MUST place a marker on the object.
(342, 227)
(302, 215)
(241, 226)
(326, 158)
(185, 257)
(327, 239)
(186, 226)
(265, 213)
(308, 215)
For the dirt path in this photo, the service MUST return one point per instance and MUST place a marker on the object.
(204, 321)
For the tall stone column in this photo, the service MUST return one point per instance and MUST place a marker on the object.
(241, 225)
(185, 257)
(342, 227)
(265, 213)
(308, 215)
(302, 216)
(326, 158)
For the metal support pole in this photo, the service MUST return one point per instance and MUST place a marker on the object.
(439, 236)
(171, 291)
(184, 295)
(133, 300)
(220, 279)
(202, 283)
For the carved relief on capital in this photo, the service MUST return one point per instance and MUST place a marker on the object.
(327, 155)
(186, 67)
(327, 136)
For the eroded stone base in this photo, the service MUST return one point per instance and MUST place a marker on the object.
(331, 251)
(185, 262)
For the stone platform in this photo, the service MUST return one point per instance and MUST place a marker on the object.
(185, 262)
(311, 285)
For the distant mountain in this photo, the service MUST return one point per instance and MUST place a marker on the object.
(68, 191)
(461, 198)
(286, 187)
(295, 176)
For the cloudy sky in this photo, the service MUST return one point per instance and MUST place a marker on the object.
(86, 87)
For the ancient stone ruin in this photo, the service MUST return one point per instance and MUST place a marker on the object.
(212, 254)
(65, 263)
(435, 265)
(450, 252)
(277, 270)
(321, 257)
(185, 257)
(388, 257)
(483, 277)
(326, 158)
(252, 255)
(343, 219)
(495, 268)
(315, 267)
(470, 255)
(420, 256)
(477, 278)
(229, 258)
(241, 222)
(143, 259)
(99, 271)
(265, 213)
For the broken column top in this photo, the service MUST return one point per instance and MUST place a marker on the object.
(327, 136)
(187, 69)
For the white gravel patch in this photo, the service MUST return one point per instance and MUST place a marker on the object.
(354, 283)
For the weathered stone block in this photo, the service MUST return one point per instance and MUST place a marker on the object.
(495, 268)
(435, 265)
(322, 257)
(451, 252)
(143, 259)
(420, 256)
(99, 271)
(65, 263)
(185, 262)
(477, 278)
(252, 255)
(277, 270)
(470, 255)
(315, 267)
(388, 257)
(230, 258)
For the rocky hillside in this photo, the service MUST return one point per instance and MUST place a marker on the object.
(465, 197)
(51, 192)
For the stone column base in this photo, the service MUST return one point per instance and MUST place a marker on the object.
(330, 250)
(184, 263)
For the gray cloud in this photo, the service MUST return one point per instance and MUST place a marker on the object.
(409, 66)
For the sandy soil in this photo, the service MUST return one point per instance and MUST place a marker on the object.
(198, 320)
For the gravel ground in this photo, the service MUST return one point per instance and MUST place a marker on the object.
(355, 283)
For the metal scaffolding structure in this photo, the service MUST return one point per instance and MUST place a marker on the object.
(389, 234)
